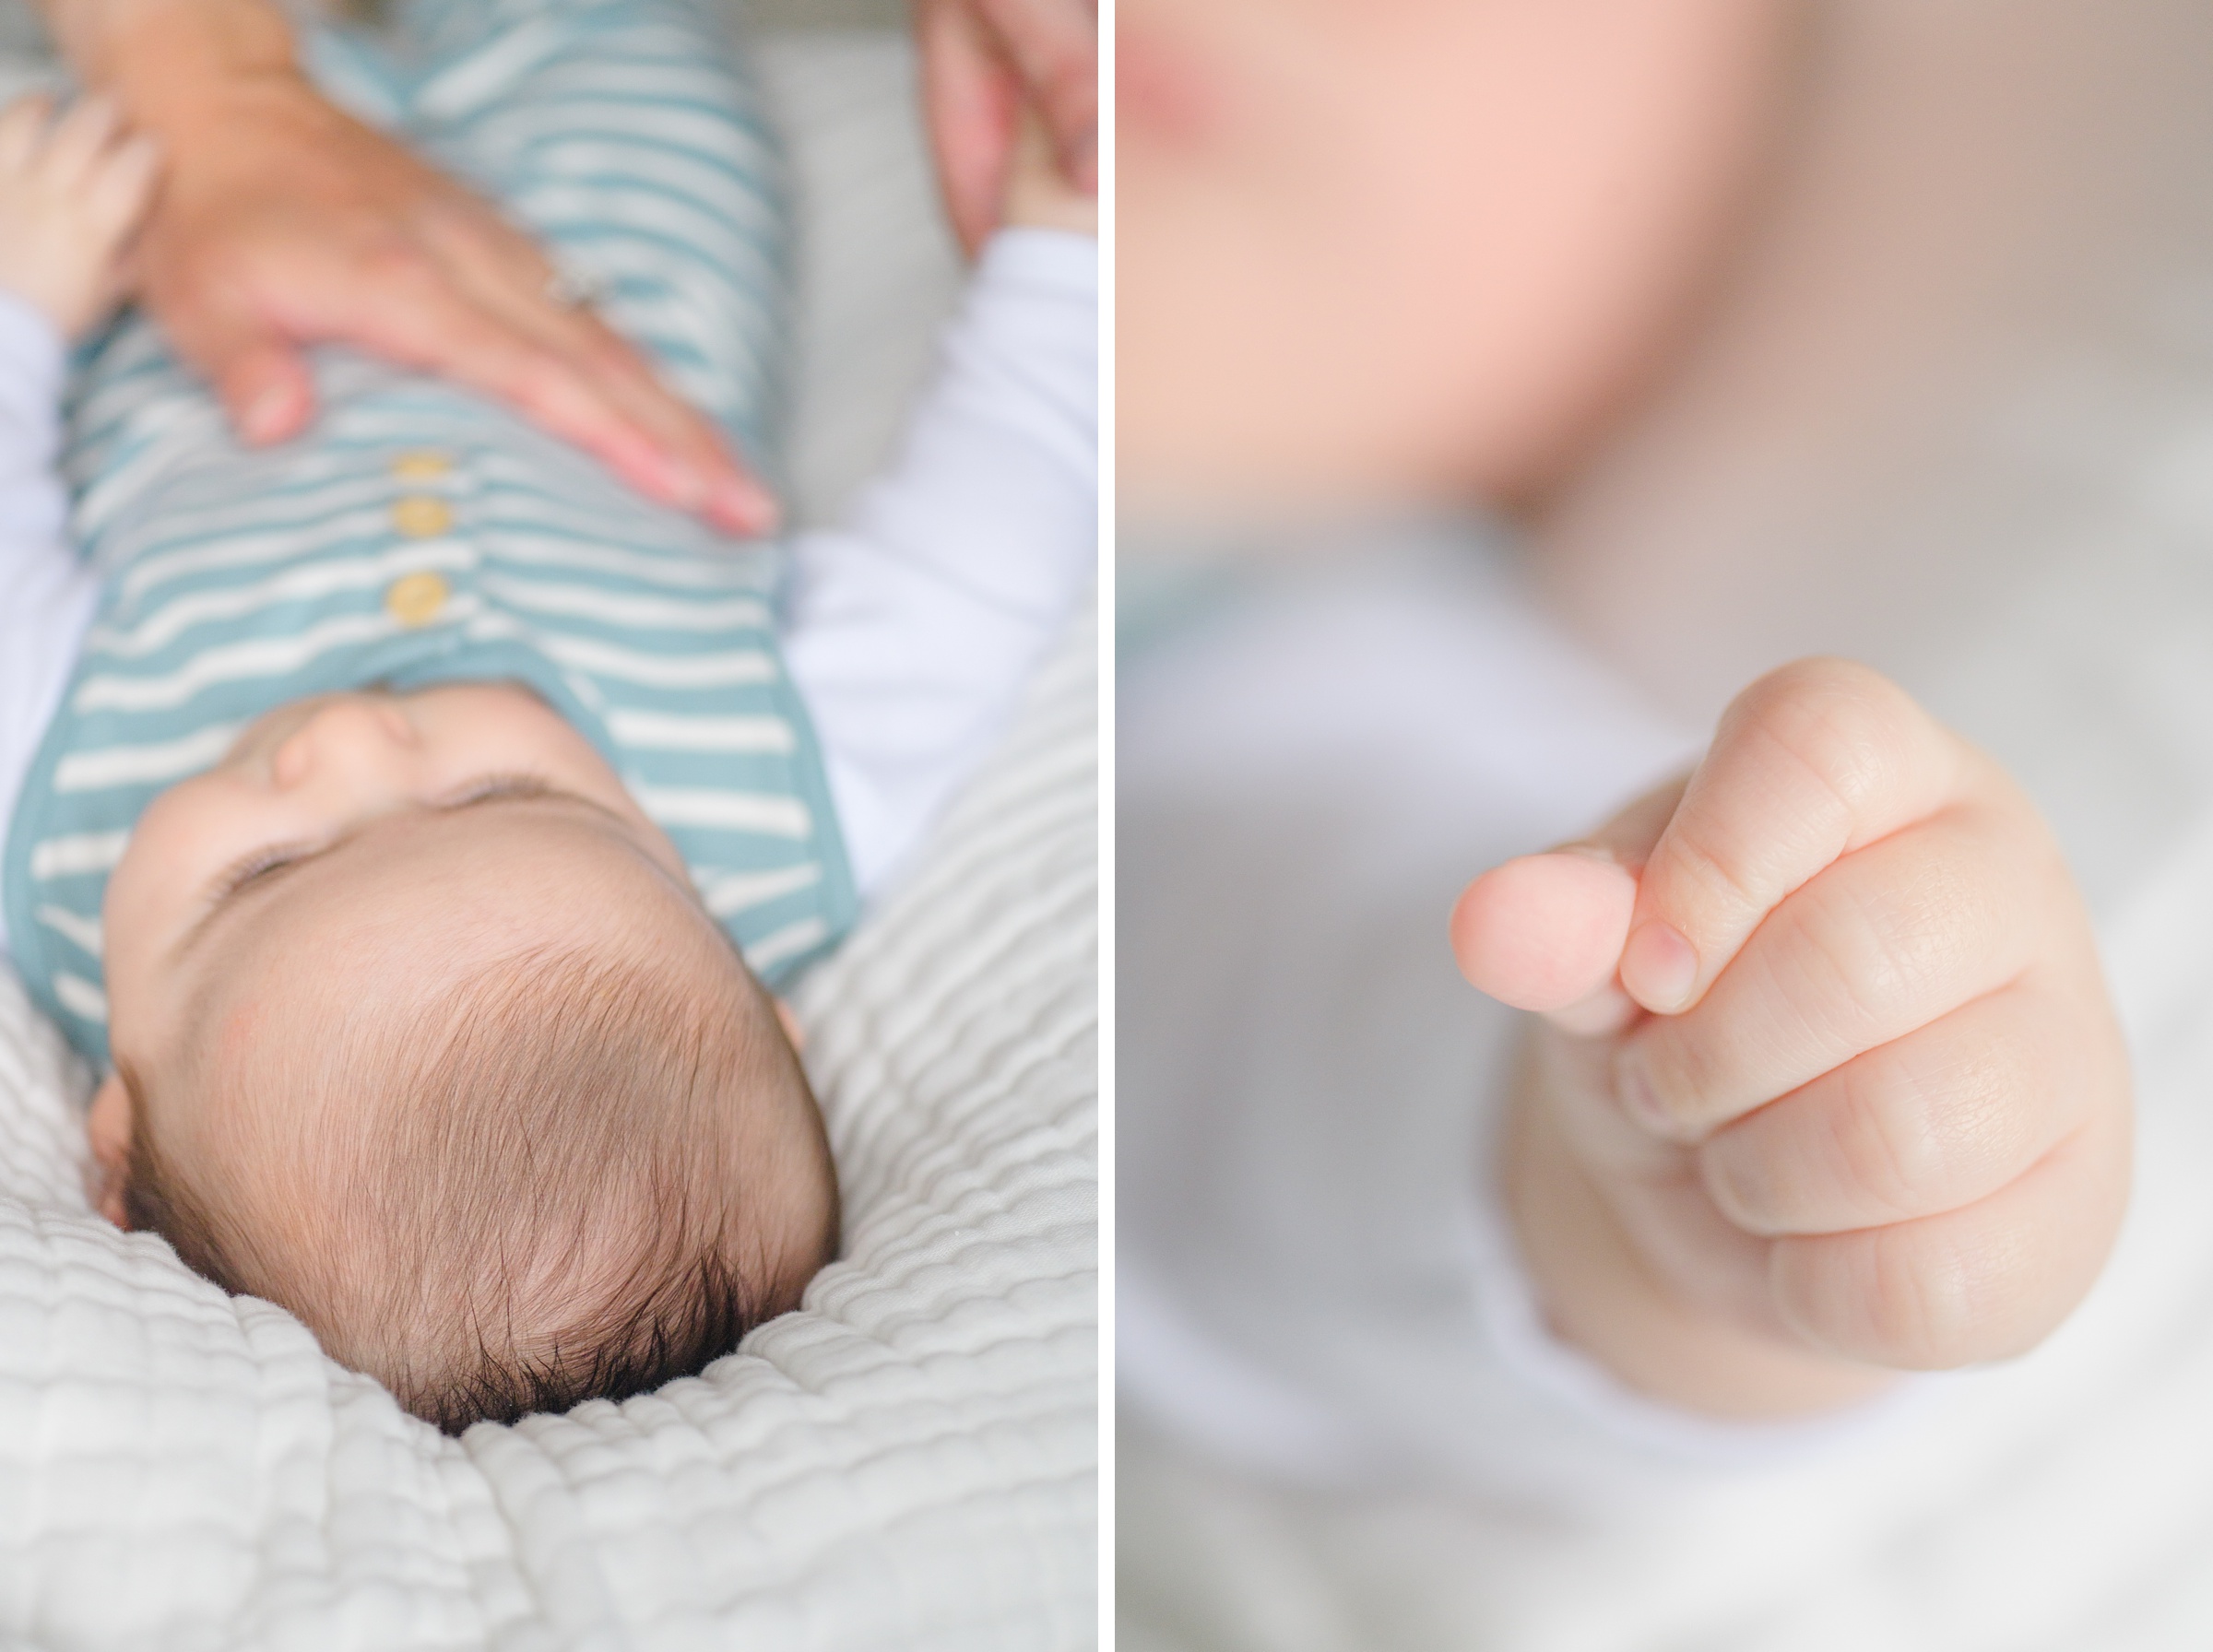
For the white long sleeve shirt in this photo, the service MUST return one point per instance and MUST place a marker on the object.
(909, 629)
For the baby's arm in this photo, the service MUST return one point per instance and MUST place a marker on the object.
(912, 629)
(71, 192)
(1827, 1084)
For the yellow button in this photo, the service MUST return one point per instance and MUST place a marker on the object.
(415, 599)
(420, 465)
(419, 516)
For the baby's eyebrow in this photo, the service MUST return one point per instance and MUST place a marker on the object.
(518, 791)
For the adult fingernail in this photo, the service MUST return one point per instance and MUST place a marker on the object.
(743, 506)
(678, 483)
(1633, 1085)
(265, 418)
(1659, 968)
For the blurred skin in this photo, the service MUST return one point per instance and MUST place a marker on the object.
(1423, 246)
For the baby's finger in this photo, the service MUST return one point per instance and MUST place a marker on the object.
(1882, 942)
(1810, 762)
(1929, 1122)
(22, 125)
(1544, 932)
(1983, 1282)
(79, 139)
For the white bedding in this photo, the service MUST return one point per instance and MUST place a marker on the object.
(907, 1462)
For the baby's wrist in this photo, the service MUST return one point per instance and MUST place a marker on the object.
(34, 338)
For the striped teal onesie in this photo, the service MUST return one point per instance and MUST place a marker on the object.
(419, 535)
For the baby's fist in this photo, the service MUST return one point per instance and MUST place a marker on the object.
(72, 190)
(1826, 1034)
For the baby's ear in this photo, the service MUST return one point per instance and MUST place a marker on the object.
(108, 1126)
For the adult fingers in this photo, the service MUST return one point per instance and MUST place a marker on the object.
(123, 182)
(1545, 932)
(402, 305)
(1929, 1122)
(1809, 763)
(77, 140)
(258, 374)
(1983, 1282)
(973, 96)
(1884, 941)
(22, 125)
(1054, 45)
(507, 276)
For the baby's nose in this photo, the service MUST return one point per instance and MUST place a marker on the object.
(359, 738)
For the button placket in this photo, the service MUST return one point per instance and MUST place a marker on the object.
(418, 599)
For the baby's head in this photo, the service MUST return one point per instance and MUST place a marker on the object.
(421, 1033)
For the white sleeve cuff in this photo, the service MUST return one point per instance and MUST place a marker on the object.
(911, 630)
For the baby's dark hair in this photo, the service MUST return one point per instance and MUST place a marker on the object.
(603, 1173)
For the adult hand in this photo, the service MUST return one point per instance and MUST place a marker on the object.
(983, 62)
(285, 222)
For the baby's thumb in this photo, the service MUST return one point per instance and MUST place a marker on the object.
(1545, 932)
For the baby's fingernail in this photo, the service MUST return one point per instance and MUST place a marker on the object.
(1657, 968)
(1638, 1099)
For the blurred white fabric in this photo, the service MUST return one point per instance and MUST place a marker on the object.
(1954, 417)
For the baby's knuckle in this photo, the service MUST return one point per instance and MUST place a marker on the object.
(1741, 1181)
(1981, 1126)
(1917, 1300)
(1950, 1300)
(1688, 1079)
(1850, 978)
(1877, 1143)
(1844, 724)
(1718, 873)
(1898, 949)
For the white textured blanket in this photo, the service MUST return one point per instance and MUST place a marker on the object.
(909, 1462)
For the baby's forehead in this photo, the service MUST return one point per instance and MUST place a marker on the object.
(388, 930)
(469, 881)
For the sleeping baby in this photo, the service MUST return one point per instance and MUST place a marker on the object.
(411, 824)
